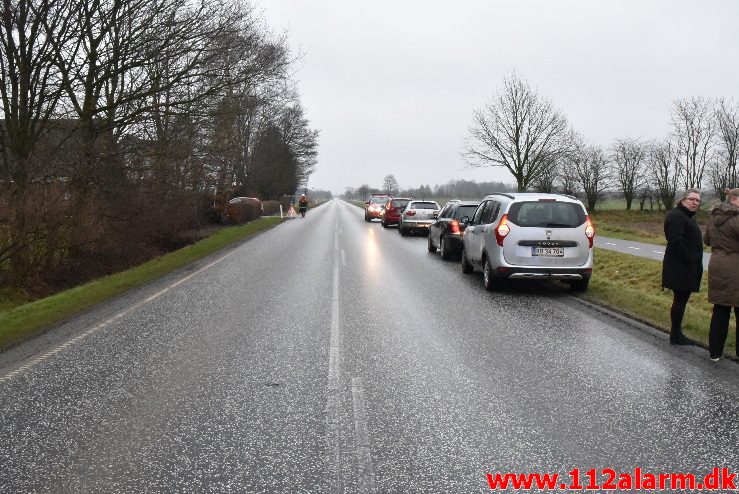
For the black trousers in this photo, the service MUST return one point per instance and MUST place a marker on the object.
(677, 311)
(720, 329)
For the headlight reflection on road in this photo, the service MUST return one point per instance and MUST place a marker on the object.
(372, 254)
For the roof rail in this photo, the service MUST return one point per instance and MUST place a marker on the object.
(501, 194)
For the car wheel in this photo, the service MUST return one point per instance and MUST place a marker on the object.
(367, 218)
(579, 285)
(384, 224)
(467, 268)
(402, 230)
(487, 275)
(431, 246)
(444, 249)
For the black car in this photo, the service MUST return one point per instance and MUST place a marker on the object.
(445, 233)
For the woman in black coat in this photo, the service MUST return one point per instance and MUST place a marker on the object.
(682, 267)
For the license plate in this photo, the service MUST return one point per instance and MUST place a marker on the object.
(548, 251)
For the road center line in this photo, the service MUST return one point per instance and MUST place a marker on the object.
(365, 471)
(32, 363)
(343, 258)
(333, 450)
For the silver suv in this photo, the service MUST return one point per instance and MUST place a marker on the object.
(530, 236)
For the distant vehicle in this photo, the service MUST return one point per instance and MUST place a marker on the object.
(530, 236)
(446, 232)
(417, 216)
(240, 209)
(393, 209)
(374, 206)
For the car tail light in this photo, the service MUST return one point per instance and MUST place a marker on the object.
(410, 213)
(589, 231)
(454, 226)
(502, 230)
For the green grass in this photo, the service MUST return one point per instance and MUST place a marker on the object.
(632, 285)
(25, 320)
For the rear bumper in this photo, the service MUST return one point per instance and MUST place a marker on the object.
(544, 273)
(422, 224)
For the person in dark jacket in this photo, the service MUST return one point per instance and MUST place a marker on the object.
(682, 267)
(722, 235)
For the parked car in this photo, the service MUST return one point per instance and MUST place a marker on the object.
(242, 209)
(417, 215)
(445, 233)
(393, 209)
(374, 206)
(530, 236)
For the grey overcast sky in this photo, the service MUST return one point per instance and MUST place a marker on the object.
(391, 84)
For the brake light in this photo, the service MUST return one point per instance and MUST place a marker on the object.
(589, 231)
(502, 230)
(410, 213)
(454, 226)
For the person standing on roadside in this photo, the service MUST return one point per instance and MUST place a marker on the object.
(682, 267)
(722, 235)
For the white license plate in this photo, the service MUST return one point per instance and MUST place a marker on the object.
(548, 251)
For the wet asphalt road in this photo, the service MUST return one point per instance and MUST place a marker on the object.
(650, 251)
(332, 355)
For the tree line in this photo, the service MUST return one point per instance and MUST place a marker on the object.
(457, 189)
(129, 121)
(522, 132)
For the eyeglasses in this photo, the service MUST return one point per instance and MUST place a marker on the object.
(693, 199)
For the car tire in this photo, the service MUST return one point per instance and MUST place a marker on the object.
(444, 249)
(579, 285)
(402, 230)
(431, 246)
(367, 218)
(488, 278)
(384, 223)
(467, 268)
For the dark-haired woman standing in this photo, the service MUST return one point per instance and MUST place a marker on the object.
(722, 235)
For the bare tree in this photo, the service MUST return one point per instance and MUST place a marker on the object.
(723, 169)
(593, 173)
(628, 156)
(547, 180)
(693, 128)
(520, 131)
(665, 171)
(29, 91)
(390, 185)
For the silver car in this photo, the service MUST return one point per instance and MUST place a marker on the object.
(530, 236)
(417, 216)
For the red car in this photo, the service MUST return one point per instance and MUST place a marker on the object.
(374, 207)
(393, 209)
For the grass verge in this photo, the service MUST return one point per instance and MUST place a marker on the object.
(633, 285)
(23, 321)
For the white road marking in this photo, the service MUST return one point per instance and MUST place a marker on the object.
(658, 252)
(333, 429)
(365, 471)
(32, 363)
(633, 248)
(343, 258)
(610, 243)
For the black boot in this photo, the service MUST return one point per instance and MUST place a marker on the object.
(678, 338)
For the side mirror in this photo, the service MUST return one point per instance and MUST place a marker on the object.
(465, 220)
(435, 214)
(366, 203)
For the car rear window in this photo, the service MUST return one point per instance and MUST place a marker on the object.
(378, 200)
(399, 203)
(425, 205)
(547, 214)
(468, 211)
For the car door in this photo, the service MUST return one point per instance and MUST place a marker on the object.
(437, 227)
(473, 235)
